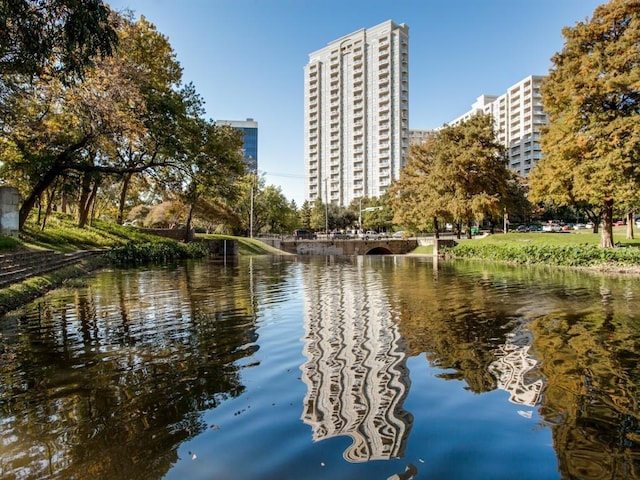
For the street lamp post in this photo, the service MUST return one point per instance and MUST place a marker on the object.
(326, 209)
(506, 216)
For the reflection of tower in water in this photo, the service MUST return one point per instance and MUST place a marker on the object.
(513, 366)
(356, 372)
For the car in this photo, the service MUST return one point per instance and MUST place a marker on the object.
(399, 234)
(579, 226)
(371, 235)
(522, 228)
(619, 223)
(301, 234)
(552, 227)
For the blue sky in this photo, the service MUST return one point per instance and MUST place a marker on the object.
(246, 57)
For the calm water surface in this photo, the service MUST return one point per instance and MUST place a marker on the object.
(325, 368)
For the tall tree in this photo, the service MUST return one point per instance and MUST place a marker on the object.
(459, 174)
(163, 103)
(123, 118)
(280, 215)
(591, 145)
(213, 162)
(320, 218)
(304, 215)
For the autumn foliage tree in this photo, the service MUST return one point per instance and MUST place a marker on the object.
(124, 117)
(591, 145)
(459, 174)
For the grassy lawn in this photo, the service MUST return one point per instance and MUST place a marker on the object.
(572, 237)
(573, 248)
(247, 246)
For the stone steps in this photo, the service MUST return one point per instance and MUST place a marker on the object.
(16, 267)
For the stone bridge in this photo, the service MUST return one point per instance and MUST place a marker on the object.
(384, 246)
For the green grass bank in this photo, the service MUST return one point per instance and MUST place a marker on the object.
(578, 249)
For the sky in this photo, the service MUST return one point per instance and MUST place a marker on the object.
(246, 58)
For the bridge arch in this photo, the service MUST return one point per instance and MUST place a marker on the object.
(379, 251)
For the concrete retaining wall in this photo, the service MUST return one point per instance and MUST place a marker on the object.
(176, 234)
(9, 211)
(221, 248)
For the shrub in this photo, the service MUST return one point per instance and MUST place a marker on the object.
(572, 255)
(134, 253)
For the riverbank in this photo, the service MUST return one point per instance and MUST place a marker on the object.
(27, 290)
(577, 250)
(63, 236)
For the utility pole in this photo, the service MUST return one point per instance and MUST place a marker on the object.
(251, 209)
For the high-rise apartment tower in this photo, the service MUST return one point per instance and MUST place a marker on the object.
(356, 114)
(518, 116)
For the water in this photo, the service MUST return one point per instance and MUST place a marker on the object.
(324, 368)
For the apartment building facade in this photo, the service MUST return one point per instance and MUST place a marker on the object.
(518, 115)
(356, 114)
(249, 129)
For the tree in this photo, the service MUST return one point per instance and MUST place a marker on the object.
(304, 215)
(459, 174)
(374, 213)
(319, 218)
(413, 201)
(126, 116)
(213, 160)
(162, 107)
(591, 145)
(280, 215)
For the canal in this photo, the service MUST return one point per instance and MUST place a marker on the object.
(381, 367)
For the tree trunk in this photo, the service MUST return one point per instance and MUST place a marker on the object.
(187, 227)
(45, 181)
(91, 206)
(87, 198)
(59, 166)
(83, 209)
(50, 200)
(63, 201)
(630, 216)
(126, 180)
(606, 237)
(435, 226)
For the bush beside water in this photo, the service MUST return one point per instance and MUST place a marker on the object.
(571, 255)
(135, 253)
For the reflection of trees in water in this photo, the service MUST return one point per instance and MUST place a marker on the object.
(458, 321)
(592, 366)
(108, 383)
(589, 358)
(355, 372)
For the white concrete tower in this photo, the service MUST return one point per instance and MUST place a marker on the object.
(356, 114)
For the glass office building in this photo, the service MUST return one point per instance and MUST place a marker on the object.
(249, 128)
